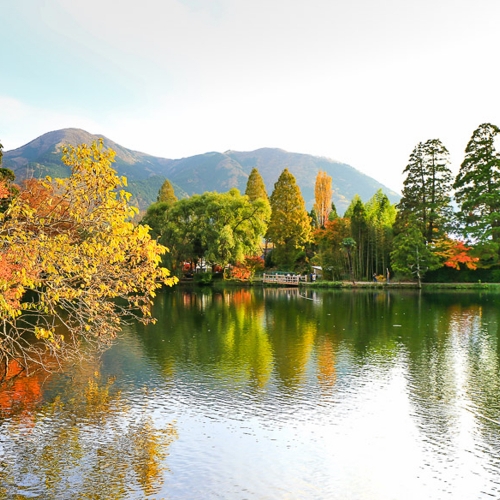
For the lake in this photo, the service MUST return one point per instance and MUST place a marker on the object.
(252, 393)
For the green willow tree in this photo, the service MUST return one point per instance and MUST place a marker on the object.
(290, 225)
(218, 228)
(426, 192)
(255, 186)
(477, 191)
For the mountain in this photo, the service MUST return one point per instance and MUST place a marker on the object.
(196, 174)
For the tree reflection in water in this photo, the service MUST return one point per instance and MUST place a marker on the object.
(87, 444)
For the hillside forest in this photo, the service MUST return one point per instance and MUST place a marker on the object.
(443, 228)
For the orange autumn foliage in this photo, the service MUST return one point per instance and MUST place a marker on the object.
(4, 190)
(323, 197)
(23, 389)
(455, 253)
(245, 270)
(240, 272)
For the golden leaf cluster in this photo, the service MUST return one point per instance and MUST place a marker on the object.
(72, 264)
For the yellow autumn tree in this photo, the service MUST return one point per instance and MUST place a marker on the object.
(322, 197)
(290, 226)
(72, 265)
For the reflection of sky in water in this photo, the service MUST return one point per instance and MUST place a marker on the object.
(285, 397)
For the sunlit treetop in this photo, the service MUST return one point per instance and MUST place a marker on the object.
(70, 244)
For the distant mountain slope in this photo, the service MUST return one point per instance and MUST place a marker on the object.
(196, 174)
(346, 180)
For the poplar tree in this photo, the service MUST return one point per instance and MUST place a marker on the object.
(255, 186)
(166, 194)
(323, 197)
(477, 188)
(426, 191)
(290, 225)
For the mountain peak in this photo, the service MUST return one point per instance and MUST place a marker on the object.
(210, 171)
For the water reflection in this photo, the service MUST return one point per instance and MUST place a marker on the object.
(82, 444)
(276, 393)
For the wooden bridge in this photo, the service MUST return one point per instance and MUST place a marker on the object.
(282, 279)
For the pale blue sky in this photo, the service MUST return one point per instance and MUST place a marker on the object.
(361, 81)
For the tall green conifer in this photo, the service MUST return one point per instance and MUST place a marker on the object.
(477, 188)
(426, 191)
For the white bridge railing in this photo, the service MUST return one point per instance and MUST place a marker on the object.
(281, 279)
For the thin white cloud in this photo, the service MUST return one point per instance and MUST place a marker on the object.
(21, 122)
(361, 81)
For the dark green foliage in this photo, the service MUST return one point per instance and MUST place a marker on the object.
(450, 275)
(333, 212)
(411, 255)
(477, 190)
(155, 218)
(203, 279)
(427, 188)
(314, 218)
(349, 244)
(7, 175)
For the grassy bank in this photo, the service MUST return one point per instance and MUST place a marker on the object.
(396, 284)
(257, 281)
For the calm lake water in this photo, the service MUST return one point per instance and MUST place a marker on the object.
(271, 394)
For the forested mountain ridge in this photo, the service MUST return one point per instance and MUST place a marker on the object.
(211, 171)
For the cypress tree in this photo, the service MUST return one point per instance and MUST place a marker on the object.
(477, 188)
(166, 193)
(426, 191)
(290, 226)
(255, 186)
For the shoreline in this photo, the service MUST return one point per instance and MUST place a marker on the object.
(355, 285)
